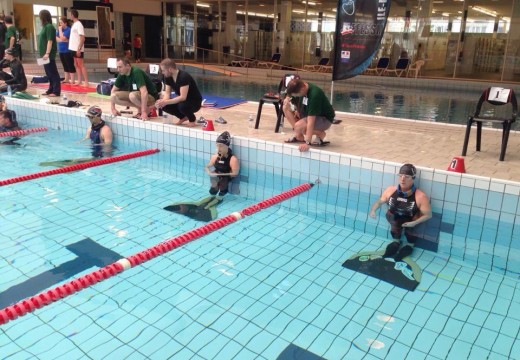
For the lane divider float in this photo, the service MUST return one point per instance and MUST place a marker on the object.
(46, 297)
(76, 167)
(22, 132)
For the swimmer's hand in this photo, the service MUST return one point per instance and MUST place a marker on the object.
(115, 112)
(372, 214)
(409, 224)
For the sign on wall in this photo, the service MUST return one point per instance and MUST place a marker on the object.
(360, 25)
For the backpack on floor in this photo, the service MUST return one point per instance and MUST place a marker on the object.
(40, 79)
(105, 87)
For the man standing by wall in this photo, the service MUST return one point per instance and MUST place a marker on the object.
(77, 46)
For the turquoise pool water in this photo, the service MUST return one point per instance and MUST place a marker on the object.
(248, 291)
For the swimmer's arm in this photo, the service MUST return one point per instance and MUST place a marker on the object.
(87, 136)
(107, 137)
(210, 164)
(382, 200)
(235, 166)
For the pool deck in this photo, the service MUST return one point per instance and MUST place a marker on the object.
(424, 144)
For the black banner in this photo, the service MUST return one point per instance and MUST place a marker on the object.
(360, 25)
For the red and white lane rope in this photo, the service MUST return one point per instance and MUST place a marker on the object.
(44, 298)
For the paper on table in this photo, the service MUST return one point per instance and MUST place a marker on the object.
(42, 61)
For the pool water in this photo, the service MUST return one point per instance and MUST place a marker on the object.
(248, 291)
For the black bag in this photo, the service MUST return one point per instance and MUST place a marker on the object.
(158, 84)
(105, 87)
(40, 79)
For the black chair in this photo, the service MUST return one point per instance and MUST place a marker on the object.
(276, 99)
(490, 108)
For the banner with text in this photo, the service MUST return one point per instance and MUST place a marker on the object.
(360, 25)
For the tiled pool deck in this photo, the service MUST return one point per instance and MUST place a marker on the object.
(431, 145)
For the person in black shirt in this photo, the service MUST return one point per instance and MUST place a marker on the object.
(3, 31)
(17, 79)
(188, 99)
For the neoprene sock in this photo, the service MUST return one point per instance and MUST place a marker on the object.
(404, 252)
(391, 249)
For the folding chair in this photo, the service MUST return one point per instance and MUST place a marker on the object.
(381, 66)
(400, 68)
(276, 100)
(317, 67)
(490, 108)
(415, 68)
(274, 62)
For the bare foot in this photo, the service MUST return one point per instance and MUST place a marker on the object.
(181, 121)
(191, 124)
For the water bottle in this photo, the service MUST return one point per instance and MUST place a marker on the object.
(251, 121)
(64, 100)
(9, 91)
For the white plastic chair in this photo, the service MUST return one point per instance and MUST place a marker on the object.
(415, 67)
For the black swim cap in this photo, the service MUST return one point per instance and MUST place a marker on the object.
(224, 138)
(408, 169)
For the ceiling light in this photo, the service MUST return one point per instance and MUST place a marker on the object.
(203, 5)
(485, 11)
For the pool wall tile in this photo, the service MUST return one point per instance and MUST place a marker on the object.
(479, 209)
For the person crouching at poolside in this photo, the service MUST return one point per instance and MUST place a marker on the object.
(225, 165)
(16, 79)
(188, 100)
(134, 88)
(407, 207)
(319, 114)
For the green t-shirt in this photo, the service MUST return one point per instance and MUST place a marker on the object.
(134, 80)
(318, 104)
(48, 33)
(12, 31)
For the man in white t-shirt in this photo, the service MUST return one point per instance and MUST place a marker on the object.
(76, 46)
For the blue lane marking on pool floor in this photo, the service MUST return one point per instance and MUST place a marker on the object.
(89, 254)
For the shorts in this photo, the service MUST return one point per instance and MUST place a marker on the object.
(125, 96)
(322, 123)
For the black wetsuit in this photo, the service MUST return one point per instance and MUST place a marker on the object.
(222, 166)
(401, 209)
(17, 79)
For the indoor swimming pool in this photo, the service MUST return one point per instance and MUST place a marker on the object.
(265, 287)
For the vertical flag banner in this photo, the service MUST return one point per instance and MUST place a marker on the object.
(360, 25)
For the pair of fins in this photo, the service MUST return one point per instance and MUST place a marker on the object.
(202, 210)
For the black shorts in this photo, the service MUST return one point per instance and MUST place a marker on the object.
(68, 62)
(81, 54)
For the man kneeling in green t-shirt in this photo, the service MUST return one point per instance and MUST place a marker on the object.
(319, 114)
(131, 87)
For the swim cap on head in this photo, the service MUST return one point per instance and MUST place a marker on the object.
(95, 111)
(408, 169)
(224, 138)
